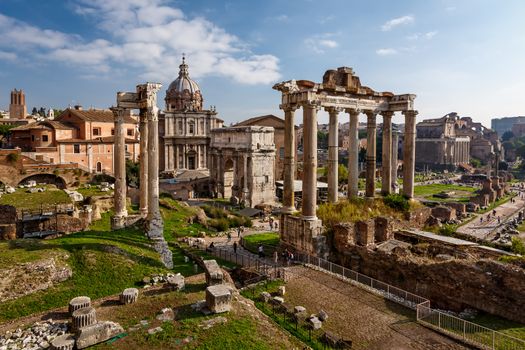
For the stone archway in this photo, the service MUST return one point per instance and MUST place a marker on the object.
(50, 179)
(228, 178)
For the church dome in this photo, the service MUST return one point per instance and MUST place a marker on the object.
(183, 94)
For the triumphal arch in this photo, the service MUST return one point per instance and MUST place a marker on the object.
(340, 91)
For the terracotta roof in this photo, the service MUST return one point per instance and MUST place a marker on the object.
(95, 115)
(107, 139)
(260, 121)
(45, 125)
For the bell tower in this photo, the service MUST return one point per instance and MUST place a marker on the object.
(17, 108)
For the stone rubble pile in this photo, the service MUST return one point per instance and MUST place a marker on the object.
(38, 336)
(174, 280)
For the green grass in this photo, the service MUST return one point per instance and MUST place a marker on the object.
(427, 191)
(176, 220)
(103, 263)
(93, 191)
(514, 329)
(23, 200)
(496, 204)
(269, 240)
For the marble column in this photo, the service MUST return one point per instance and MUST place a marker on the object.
(119, 159)
(386, 159)
(154, 217)
(409, 153)
(370, 154)
(289, 160)
(395, 157)
(333, 154)
(353, 153)
(309, 200)
(143, 130)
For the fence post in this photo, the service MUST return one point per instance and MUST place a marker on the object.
(439, 319)
(388, 290)
(464, 330)
(493, 340)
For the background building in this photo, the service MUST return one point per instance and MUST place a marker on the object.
(500, 125)
(85, 137)
(184, 127)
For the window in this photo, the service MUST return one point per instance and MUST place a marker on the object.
(266, 178)
(180, 127)
(76, 148)
(33, 138)
(281, 153)
(191, 125)
(45, 138)
(130, 132)
(96, 132)
(99, 167)
(112, 131)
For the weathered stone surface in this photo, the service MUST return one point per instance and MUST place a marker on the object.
(83, 317)
(37, 336)
(176, 281)
(213, 321)
(383, 230)
(63, 342)
(79, 303)
(314, 322)
(213, 273)
(281, 291)
(129, 296)
(322, 315)
(161, 247)
(97, 333)
(277, 300)
(444, 213)
(299, 309)
(365, 232)
(265, 296)
(154, 330)
(166, 314)
(218, 298)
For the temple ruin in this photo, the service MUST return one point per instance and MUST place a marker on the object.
(340, 91)
(145, 100)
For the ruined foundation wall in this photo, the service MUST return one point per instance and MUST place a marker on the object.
(454, 284)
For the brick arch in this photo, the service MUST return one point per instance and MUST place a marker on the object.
(53, 179)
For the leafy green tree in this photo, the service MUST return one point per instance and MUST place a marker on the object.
(322, 140)
(132, 173)
(507, 135)
(342, 173)
(476, 163)
(34, 111)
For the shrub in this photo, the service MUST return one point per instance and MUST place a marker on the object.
(12, 157)
(447, 230)
(517, 247)
(214, 212)
(220, 224)
(397, 201)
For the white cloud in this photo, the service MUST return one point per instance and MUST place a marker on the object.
(386, 52)
(427, 35)
(147, 35)
(395, 22)
(318, 43)
(8, 56)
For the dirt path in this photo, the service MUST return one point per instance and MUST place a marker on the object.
(371, 322)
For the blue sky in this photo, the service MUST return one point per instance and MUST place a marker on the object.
(464, 56)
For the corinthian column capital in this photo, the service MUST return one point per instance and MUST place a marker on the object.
(410, 113)
(289, 107)
(387, 114)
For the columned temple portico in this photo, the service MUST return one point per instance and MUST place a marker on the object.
(340, 91)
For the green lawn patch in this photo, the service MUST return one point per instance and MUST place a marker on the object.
(176, 220)
(103, 262)
(24, 200)
(514, 329)
(93, 191)
(269, 240)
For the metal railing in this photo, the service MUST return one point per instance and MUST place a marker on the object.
(270, 270)
(463, 330)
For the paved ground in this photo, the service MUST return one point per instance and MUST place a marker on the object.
(370, 321)
(486, 228)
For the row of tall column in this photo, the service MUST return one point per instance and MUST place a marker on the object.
(149, 166)
(389, 156)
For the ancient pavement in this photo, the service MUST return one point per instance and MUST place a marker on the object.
(370, 321)
(486, 229)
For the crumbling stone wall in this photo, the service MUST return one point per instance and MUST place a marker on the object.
(453, 284)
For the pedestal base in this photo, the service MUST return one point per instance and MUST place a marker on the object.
(118, 222)
(304, 234)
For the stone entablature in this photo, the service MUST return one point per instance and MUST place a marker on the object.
(242, 164)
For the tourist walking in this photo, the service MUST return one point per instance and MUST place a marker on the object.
(261, 251)
(229, 237)
(235, 247)
(239, 231)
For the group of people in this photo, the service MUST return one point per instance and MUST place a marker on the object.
(273, 224)
(493, 216)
